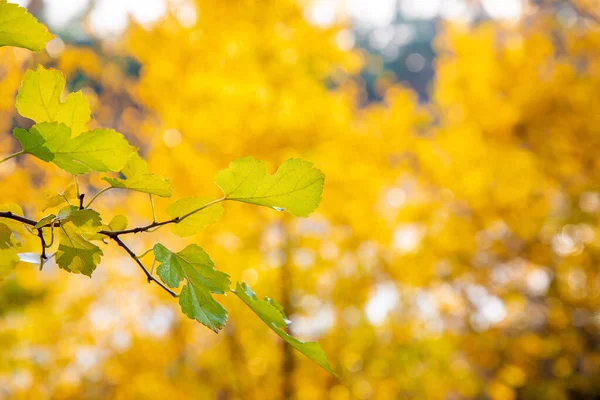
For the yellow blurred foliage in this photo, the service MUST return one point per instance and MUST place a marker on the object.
(455, 253)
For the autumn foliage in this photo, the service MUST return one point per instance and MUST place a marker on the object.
(454, 253)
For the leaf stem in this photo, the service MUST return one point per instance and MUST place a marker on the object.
(12, 156)
(98, 194)
(144, 254)
(201, 208)
(76, 185)
(48, 245)
(152, 204)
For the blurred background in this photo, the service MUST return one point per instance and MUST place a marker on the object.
(455, 254)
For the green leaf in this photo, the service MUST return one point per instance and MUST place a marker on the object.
(275, 319)
(197, 221)
(296, 187)
(138, 179)
(79, 217)
(76, 254)
(39, 99)
(20, 29)
(47, 220)
(100, 150)
(33, 143)
(202, 280)
(118, 223)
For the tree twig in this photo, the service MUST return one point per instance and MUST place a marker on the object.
(139, 229)
(10, 215)
(43, 256)
(136, 259)
(113, 235)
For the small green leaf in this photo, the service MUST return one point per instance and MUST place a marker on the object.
(79, 217)
(202, 280)
(20, 29)
(273, 316)
(138, 179)
(33, 143)
(47, 220)
(296, 187)
(75, 254)
(100, 150)
(197, 221)
(39, 99)
(118, 223)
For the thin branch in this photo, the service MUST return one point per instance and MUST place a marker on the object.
(136, 259)
(139, 229)
(10, 215)
(149, 227)
(114, 235)
(81, 197)
(12, 156)
(111, 234)
(43, 256)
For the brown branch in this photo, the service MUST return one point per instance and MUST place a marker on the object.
(43, 256)
(144, 228)
(137, 260)
(113, 235)
(9, 215)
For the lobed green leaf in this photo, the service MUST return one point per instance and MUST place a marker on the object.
(102, 150)
(296, 187)
(138, 179)
(271, 314)
(202, 280)
(39, 99)
(75, 253)
(20, 29)
(33, 143)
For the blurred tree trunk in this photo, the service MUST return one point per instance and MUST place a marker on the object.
(36, 7)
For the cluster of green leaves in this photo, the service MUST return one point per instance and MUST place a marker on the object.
(61, 136)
